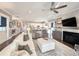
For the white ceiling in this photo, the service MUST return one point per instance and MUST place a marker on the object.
(34, 10)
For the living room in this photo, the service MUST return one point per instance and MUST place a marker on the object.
(39, 29)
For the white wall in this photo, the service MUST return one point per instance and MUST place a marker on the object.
(71, 14)
(4, 34)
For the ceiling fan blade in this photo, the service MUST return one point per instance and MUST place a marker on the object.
(45, 9)
(55, 11)
(52, 3)
(61, 7)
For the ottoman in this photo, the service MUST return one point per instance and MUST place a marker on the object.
(45, 45)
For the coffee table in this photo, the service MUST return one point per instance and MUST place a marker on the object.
(45, 45)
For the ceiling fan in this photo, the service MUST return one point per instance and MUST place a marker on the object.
(54, 9)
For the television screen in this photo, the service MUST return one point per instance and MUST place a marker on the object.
(2, 21)
(70, 22)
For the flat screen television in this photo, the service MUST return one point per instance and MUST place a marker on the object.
(69, 22)
(3, 21)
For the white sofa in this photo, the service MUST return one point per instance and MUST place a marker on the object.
(11, 49)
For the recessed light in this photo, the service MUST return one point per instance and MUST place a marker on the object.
(29, 11)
